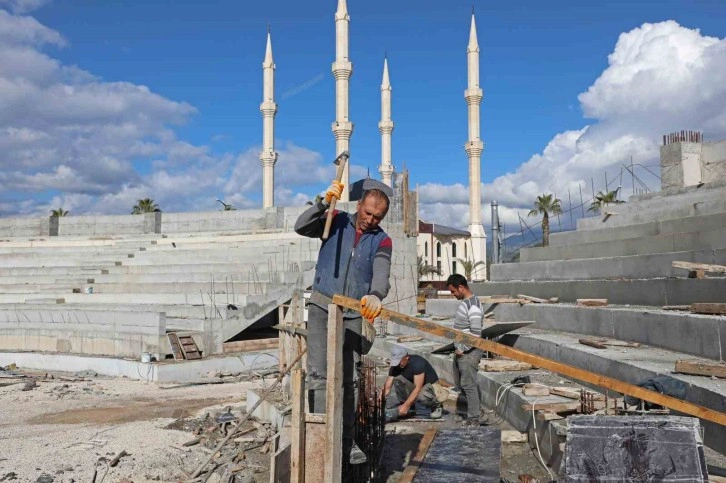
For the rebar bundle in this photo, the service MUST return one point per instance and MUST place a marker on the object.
(369, 429)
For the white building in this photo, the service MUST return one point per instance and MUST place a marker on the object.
(445, 247)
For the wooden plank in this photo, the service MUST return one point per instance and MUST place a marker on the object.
(503, 366)
(676, 307)
(544, 363)
(334, 397)
(568, 392)
(503, 300)
(592, 302)
(315, 418)
(535, 300)
(592, 343)
(694, 267)
(548, 416)
(423, 447)
(251, 345)
(409, 338)
(535, 390)
(175, 346)
(558, 407)
(315, 445)
(701, 368)
(297, 429)
(712, 309)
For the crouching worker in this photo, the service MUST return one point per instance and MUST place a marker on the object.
(412, 384)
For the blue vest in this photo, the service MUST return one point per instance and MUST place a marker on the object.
(344, 269)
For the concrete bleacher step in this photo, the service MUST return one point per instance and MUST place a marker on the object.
(651, 292)
(665, 205)
(651, 228)
(213, 287)
(258, 266)
(633, 365)
(636, 266)
(671, 242)
(172, 311)
(698, 335)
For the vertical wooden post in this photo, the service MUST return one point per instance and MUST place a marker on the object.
(282, 337)
(297, 430)
(334, 397)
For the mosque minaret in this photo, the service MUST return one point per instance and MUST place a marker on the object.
(474, 148)
(386, 128)
(342, 70)
(268, 156)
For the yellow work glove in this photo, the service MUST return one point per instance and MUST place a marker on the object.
(334, 191)
(370, 306)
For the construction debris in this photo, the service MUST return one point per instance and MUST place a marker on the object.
(409, 338)
(711, 309)
(602, 343)
(701, 368)
(535, 390)
(509, 436)
(538, 300)
(502, 365)
(699, 270)
(592, 302)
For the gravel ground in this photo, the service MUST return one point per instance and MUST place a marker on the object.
(64, 430)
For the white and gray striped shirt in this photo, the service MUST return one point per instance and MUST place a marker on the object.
(468, 319)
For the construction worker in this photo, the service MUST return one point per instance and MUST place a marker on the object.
(354, 261)
(412, 384)
(468, 319)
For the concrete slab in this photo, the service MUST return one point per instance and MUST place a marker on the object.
(649, 292)
(455, 455)
(699, 335)
(674, 242)
(638, 266)
(163, 372)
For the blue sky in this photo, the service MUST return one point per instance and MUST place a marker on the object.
(202, 63)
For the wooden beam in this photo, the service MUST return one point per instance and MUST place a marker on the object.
(334, 397)
(592, 302)
(423, 447)
(544, 363)
(676, 307)
(554, 407)
(251, 345)
(503, 300)
(297, 429)
(535, 390)
(702, 368)
(592, 343)
(503, 365)
(713, 309)
(535, 300)
(695, 267)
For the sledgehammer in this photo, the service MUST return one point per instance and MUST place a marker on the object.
(340, 162)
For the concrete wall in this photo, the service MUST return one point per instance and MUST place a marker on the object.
(118, 334)
(237, 220)
(714, 162)
(37, 226)
(109, 225)
(668, 205)
(680, 164)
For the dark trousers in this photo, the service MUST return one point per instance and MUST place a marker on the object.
(402, 389)
(317, 367)
(466, 368)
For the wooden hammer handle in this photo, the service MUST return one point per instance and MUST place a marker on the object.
(331, 208)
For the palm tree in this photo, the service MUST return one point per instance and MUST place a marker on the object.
(469, 266)
(602, 200)
(546, 205)
(227, 207)
(146, 205)
(425, 269)
(59, 212)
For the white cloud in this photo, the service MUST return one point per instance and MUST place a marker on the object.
(71, 139)
(23, 6)
(661, 77)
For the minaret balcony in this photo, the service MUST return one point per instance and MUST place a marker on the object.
(268, 108)
(474, 148)
(385, 127)
(342, 69)
(342, 129)
(268, 158)
(473, 96)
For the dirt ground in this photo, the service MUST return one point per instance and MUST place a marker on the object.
(69, 427)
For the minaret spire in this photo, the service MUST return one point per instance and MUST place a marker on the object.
(474, 148)
(342, 70)
(268, 156)
(386, 127)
